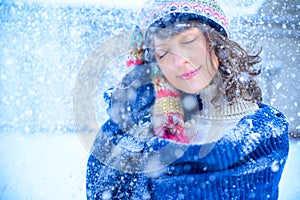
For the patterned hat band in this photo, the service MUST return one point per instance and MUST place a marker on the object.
(164, 14)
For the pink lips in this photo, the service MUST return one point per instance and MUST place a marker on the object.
(189, 75)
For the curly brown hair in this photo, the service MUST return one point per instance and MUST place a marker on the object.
(237, 69)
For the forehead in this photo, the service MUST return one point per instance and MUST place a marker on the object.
(172, 30)
(170, 35)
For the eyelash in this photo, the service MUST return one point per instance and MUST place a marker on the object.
(190, 41)
(166, 52)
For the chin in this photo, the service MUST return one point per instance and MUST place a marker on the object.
(196, 89)
(191, 90)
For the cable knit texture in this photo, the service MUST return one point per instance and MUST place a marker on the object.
(128, 162)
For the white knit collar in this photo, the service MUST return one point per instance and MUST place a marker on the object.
(225, 111)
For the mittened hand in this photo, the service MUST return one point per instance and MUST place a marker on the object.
(131, 99)
(170, 127)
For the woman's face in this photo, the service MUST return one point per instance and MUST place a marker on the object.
(185, 61)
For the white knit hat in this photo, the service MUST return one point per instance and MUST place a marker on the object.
(164, 12)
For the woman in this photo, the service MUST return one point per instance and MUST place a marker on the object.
(187, 121)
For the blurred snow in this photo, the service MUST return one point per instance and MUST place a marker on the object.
(230, 6)
(42, 48)
(133, 4)
(42, 166)
(234, 8)
(43, 45)
(289, 187)
(52, 166)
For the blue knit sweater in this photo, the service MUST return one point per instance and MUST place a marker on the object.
(246, 163)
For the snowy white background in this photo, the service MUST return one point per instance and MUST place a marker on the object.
(43, 45)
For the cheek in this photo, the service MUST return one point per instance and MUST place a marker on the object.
(167, 71)
(165, 66)
(215, 61)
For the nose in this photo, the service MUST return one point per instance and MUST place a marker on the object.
(179, 60)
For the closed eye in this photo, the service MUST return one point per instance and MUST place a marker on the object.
(163, 55)
(189, 41)
(160, 53)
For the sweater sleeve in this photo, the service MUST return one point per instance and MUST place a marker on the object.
(246, 163)
(117, 150)
(105, 182)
